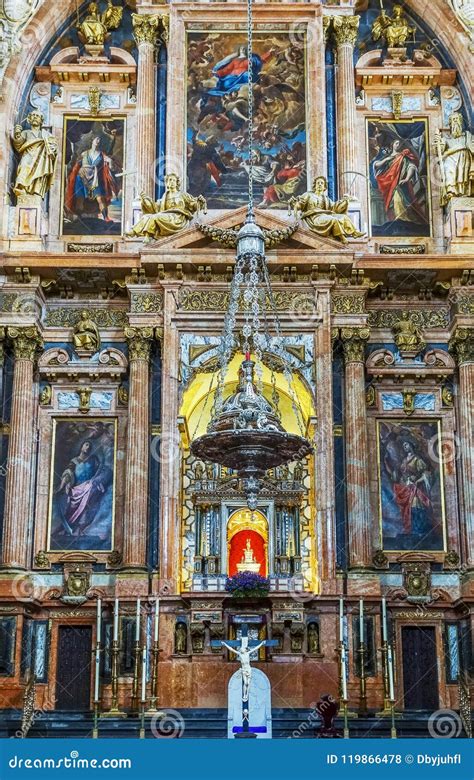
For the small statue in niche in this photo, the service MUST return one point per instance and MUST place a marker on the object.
(180, 638)
(298, 472)
(86, 334)
(210, 471)
(324, 216)
(198, 470)
(96, 26)
(407, 336)
(395, 29)
(173, 212)
(38, 149)
(313, 637)
(456, 160)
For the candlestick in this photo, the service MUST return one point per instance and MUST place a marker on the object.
(384, 619)
(390, 673)
(144, 660)
(99, 619)
(361, 621)
(97, 671)
(137, 623)
(362, 685)
(116, 620)
(341, 620)
(343, 672)
(157, 619)
(114, 711)
(136, 673)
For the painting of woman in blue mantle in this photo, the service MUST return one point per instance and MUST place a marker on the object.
(232, 71)
(82, 500)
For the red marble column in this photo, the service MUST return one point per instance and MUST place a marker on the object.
(146, 30)
(325, 493)
(169, 447)
(357, 448)
(462, 344)
(17, 512)
(345, 33)
(135, 522)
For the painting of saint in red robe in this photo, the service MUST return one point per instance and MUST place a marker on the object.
(410, 481)
(93, 182)
(82, 490)
(217, 118)
(399, 189)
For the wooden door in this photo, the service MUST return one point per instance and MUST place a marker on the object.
(73, 676)
(420, 668)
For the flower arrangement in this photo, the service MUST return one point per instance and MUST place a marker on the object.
(247, 584)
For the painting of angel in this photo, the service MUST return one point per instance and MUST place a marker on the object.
(217, 118)
(411, 485)
(92, 176)
(82, 485)
(399, 188)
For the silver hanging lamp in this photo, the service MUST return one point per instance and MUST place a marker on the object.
(245, 432)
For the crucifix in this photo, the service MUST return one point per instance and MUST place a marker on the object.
(244, 648)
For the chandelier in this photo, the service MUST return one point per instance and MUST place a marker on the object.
(245, 432)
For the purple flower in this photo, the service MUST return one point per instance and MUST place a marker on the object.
(247, 583)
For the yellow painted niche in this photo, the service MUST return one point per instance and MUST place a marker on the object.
(199, 397)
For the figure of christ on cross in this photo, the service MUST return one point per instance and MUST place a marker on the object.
(244, 649)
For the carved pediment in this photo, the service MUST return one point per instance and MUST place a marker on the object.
(269, 221)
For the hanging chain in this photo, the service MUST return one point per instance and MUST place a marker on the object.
(250, 101)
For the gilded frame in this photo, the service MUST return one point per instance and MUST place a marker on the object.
(382, 121)
(90, 118)
(76, 420)
(400, 421)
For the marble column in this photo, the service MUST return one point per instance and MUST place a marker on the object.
(20, 473)
(345, 30)
(146, 29)
(357, 448)
(324, 454)
(135, 521)
(462, 345)
(169, 446)
(2, 358)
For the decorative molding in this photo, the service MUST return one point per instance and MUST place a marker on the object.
(402, 249)
(139, 342)
(190, 299)
(348, 304)
(146, 28)
(465, 303)
(90, 249)
(423, 318)
(66, 317)
(145, 303)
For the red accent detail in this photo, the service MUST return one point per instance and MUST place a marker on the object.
(247, 356)
(237, 546)
(388, 181)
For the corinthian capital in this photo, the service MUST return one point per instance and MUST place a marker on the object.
(27, 342)
(353, 342)
(345, 29)
(139, 342)
(462, 345)
(146, 28)
(2, 343)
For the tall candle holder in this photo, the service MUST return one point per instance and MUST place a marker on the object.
(155, 657)
(386, 682)
(114, 711)
(362, 682)
(346, 713)
(96, 702)
(95, 730)
(136, 673)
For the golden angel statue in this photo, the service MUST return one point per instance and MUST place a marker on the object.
(38, 149)
(394, 29)
(86, 334)
(324, 216)
(171, 213)
(96, 26)
(456, 160)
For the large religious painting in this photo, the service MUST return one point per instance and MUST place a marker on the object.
(411, 485)
(93, 158)
(398, 173)
(217, 114)
(82, 485)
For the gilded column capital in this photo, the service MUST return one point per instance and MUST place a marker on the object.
(139, 342)
(2, 343)
(146, 28)
(461, 345)
(345, 29)
(353, 342)
(326, 27)
(27, 342)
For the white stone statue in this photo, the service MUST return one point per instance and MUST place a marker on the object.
(244, 655)
(456, 159)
